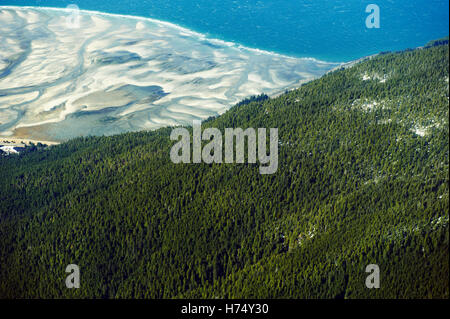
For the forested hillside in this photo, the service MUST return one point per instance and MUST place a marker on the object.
(363, 178)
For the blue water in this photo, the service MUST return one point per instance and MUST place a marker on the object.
(323, 29)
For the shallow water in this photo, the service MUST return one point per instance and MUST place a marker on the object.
(327, 30)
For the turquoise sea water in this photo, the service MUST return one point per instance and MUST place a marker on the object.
(326, 30)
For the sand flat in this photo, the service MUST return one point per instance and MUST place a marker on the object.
(65, 82)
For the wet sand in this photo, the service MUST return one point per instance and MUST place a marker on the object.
(114, 74)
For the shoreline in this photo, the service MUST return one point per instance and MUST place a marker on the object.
(17, 141)
(200, 35)
(344, 65)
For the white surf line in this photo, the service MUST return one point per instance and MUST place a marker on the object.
(201, 36)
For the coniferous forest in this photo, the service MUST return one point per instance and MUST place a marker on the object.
(363, 178)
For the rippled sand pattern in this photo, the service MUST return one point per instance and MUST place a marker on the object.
(114, 74)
